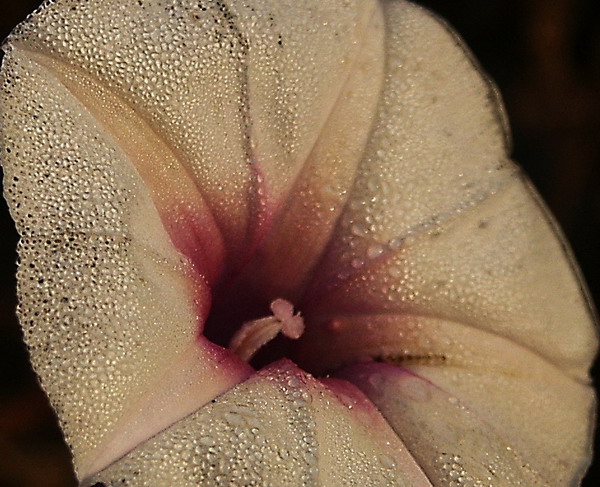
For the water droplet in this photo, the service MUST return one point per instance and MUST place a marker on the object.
(387, 461)
(395, 243)
(374, 251)
(394, 271)
(207, 441)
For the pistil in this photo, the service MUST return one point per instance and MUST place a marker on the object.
(256, 333)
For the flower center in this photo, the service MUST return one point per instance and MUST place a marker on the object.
(254, 334)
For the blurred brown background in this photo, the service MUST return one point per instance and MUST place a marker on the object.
(545, 57)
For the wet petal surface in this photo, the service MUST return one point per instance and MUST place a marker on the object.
(175, 167)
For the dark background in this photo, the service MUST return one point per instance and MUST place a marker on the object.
(545, 57)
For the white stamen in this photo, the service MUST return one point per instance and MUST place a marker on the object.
(257, 333)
